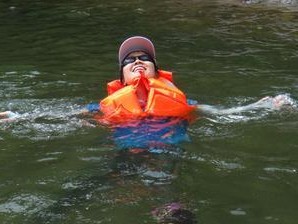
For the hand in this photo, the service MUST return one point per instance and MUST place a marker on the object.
(8, 116)
(276, 102)
(282, 100)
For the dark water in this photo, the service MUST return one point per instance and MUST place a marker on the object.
(57, 56)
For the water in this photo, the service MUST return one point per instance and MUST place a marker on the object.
(56, 57)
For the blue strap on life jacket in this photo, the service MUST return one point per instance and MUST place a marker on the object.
(93, 107)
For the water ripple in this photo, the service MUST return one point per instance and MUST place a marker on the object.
(26, 204)
(282, 170)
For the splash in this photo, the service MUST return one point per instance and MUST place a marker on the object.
(43, 119)
(253, 111)
(25, 204)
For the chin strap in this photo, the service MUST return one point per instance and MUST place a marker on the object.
(141, 85)
(141, 82)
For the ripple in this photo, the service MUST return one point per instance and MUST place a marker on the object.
(25, 204)
(238, 212)
(91, 159)
(223, 165)
(70, 186)
(282, 170)
(48, 159)
(157, 177)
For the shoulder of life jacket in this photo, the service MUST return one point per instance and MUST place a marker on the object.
(163, 99)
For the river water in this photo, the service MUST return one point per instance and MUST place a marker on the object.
(57, 56)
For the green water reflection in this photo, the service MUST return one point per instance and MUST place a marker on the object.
(57, 56)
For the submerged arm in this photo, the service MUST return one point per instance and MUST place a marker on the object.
(270, 103)
(7, 116)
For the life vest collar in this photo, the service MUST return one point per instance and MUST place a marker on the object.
(115, 85)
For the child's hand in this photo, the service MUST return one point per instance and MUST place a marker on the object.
(282, 100)
(8, 116)
(276, 102)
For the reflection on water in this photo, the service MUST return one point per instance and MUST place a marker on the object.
(155, 134)
(126, 181)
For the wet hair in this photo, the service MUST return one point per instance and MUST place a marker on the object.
(121, 68)
(173, 213)
(180, 216)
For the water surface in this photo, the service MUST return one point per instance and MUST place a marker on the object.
(56, 57)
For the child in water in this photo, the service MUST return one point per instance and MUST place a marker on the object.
(137, 59)
(144, 90)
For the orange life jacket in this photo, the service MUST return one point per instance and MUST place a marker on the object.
(163, 99)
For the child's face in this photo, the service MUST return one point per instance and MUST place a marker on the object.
(139, 64)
